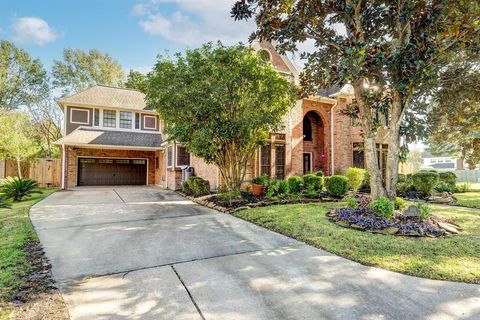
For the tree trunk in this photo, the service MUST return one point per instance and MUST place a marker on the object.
(393, 156)
(377, 189)
(19, 168)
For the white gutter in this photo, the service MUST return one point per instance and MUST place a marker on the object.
(332, 149)
(63, 167)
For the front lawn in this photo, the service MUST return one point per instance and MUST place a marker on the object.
(468, 199)
(16, 232)
(455, 258)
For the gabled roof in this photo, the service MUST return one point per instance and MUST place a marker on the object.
(84, 136)
(104, 96)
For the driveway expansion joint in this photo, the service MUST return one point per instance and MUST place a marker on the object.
(188, 292)
(115, 190)
(126, 272)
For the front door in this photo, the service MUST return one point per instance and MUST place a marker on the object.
(307, 163)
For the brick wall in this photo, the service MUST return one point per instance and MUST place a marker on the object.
(74, 153)
(206, 171)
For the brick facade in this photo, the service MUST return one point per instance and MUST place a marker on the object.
(72, 155)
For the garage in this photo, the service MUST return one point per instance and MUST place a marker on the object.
(110, 172)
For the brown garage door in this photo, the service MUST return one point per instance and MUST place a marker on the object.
(109, 172)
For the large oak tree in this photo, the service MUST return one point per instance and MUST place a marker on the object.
(387, 50)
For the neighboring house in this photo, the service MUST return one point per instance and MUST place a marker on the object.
(441, 162)
(111, 138)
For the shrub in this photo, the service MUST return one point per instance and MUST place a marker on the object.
(399, 204)
(228, 196)
(383, 207)
(337, 186)
(402, 178)
(18, 188)
(313, 182)
(356, 176)
(277, 189)
(196, 186)
(442, 186)
(295, 184)
(261, 180)
(351, 201)
(425, 211)
(424, 182)
(3, 203)
(448, 177)
(463, 187)
(319, 173)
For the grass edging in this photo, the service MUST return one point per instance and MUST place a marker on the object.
(459, 261)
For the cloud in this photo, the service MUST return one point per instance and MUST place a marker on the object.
(192, 22)
(33, 30)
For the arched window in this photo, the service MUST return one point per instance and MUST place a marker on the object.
(307, 129)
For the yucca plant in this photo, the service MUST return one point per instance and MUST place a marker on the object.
(3, 203)
(18, 188)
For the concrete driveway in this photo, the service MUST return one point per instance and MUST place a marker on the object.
(147, 253)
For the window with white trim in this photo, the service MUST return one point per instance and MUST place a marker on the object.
(109, 118)
(183, 157)
(170, 156)
(125, 120)
(96, 118)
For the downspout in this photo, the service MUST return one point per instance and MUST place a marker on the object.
(332, 149)
(63, 167)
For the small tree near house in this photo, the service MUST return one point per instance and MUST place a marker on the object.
(387, 50)
(221, 103)
(16, 140)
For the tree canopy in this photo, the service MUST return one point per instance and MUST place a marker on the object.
(79, 70)
(23, 80)
(221, 103)
(136, 80)
(385, 49)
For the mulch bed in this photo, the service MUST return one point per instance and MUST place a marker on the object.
(248, 201)
(363, 219)
(39, 298)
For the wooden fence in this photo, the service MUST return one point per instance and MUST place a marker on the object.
(47, 172)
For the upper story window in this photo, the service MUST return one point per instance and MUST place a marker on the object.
(109, 118)
(125, 120)
(137, 120)
(96, 118)
(307, 129)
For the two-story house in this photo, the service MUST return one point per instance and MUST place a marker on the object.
(112, 138)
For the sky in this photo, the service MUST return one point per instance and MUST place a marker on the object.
(132, 31)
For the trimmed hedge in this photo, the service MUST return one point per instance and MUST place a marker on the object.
(295, 184)
(425, 181)
(337, 185)
(313, 182)
(448, 182)
(196, 186)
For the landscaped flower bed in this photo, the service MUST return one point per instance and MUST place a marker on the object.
(379, 217)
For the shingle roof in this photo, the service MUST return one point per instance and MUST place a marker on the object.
(107, 97)
(92, 136)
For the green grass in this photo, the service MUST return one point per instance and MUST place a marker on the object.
(16, 231)
(468, 199)
(455, 258)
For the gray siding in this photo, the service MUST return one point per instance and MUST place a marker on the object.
(78, 116)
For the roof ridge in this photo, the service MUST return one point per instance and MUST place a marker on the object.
(113, 87)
